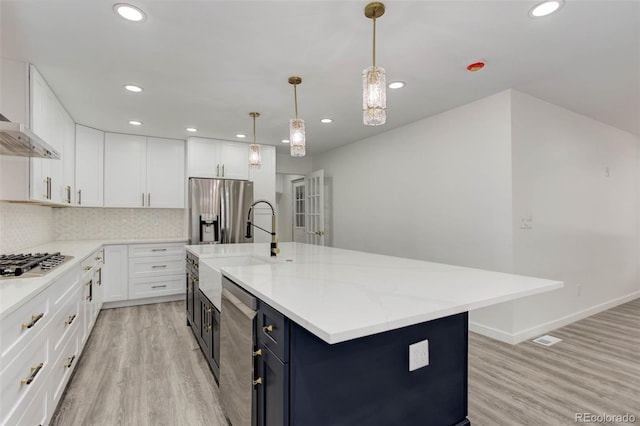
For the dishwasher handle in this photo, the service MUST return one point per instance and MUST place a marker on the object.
(238, 304)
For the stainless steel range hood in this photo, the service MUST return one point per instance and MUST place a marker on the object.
(18, 141)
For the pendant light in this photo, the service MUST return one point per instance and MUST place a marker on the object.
(296, 125)
(374, 87)
(254, 149)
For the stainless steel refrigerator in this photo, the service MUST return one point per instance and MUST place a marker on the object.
(218, 210)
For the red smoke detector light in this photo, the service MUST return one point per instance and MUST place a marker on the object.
(476, 66)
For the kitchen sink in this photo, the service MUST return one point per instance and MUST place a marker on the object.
(211, 277)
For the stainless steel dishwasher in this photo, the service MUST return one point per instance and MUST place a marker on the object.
(237, 326)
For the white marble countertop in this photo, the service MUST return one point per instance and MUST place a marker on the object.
(340, 295)
(16, 291)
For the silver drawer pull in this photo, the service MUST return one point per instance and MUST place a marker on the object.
(34, 372)
(160, 249)
(34, 320)
(159, 286)
(158, 266)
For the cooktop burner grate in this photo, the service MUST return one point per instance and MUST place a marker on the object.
(29, 264)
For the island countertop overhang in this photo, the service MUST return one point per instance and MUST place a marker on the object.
(339, 295)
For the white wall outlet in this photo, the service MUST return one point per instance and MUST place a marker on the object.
(418, 355)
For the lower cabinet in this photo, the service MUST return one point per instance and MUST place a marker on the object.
(114, 273)
(209, 336)
(272, 396)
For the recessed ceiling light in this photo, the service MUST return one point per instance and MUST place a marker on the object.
(545, 8)
(129, 12)
(241, 135)
(133, 88)
(397, 84)
(191, 129)
(326, 120)
(285, 140)
(135, 123)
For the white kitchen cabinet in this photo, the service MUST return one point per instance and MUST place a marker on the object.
(156, 270)
(211, 158)
(26, 98)
(165, 173)
(115, 276)
(143, 172)
(125, 170)
(89, 159)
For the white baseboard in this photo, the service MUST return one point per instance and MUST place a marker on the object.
(146, 301)
(544, 328)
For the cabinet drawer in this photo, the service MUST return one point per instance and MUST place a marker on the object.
(155, 267)
(93, 261)
(30, 411)
(32, 365)
(273, 331)
(147, 250)
(64, 365)
(17, 329)
(65, 321)
(60, 290)
(163, 286)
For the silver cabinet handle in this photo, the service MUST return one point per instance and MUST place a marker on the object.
(68, 189)
(217, 169)
(159, 286)
(143, 199)
(49, 187)
(79, 197)
(148, 199)
(223, 170)
(158, 266)
(160, 249)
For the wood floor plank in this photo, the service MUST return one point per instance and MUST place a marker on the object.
(142, 366)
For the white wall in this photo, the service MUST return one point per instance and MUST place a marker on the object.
(284, 207)
(578, 180)
(438, 189)
(454, 188)
(287, 164)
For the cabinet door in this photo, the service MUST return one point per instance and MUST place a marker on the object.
(202, 158)
(234, 160)
(69, 159)
(273, 393)
(125, 170)
(165, 173)
(115, 278)
(89, 166)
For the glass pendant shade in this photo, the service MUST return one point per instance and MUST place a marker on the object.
(374, 96)
(255, 159)
(297, 137)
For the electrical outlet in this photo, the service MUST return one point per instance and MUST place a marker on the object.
(418, 355)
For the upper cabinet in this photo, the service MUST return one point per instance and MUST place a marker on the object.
(26, 98)
(211, 158)
(89, 157)
(143, 172)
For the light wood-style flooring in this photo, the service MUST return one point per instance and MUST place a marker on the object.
(142, 366)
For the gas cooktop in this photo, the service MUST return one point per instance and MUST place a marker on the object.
(29, 265)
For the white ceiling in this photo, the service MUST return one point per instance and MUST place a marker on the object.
(207, 64)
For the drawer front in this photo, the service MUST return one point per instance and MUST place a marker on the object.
(150, 250)
(25, 374)
(60, 290)
(64, 365)
(93, 261)
(30, 411)
(156, 267)
(163, 286)
(273, 331)
(17, 329)
(65, 321)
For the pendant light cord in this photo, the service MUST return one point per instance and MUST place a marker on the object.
(374, 42)
(254, 129)
(295, 99)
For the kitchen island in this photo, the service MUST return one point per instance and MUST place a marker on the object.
(346, 321)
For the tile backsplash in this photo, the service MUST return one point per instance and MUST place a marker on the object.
(108, 223)
(24, 225)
